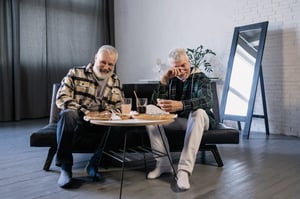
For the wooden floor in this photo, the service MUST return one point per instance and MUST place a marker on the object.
(258, 168)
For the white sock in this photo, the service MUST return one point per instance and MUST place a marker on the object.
(158, 171)
(183, 181)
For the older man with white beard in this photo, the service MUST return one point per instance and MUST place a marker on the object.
(84, 90)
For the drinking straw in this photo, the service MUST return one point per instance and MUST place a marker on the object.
(136, 97)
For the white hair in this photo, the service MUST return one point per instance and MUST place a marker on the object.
(178, 54)
(109, 49)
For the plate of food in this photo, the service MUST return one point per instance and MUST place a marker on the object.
(145, 116)
(105, 115)
(96, 115)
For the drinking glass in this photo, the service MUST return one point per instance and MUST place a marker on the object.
(141, 105)
(126, 105)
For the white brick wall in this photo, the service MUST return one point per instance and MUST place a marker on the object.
(281, 64)
(148, 29)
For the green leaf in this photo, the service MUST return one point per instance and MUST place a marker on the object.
(197, 57)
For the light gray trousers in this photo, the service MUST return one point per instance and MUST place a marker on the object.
(194, 127)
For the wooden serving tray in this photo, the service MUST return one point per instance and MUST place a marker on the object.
(104, 116)
(154, 116)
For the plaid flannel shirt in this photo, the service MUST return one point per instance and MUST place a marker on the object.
(78, 91)
(196, 93)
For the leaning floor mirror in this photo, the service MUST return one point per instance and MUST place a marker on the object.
(244, 72)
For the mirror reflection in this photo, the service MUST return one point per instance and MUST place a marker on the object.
(242, 72)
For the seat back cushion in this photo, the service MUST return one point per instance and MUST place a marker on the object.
(54, 111)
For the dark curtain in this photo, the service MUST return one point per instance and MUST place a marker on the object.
(40, 41)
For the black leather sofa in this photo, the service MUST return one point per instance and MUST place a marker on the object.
(46, 136)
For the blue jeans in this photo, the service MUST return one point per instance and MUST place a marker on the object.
(73, 130)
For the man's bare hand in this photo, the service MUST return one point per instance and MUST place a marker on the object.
(170, 105)
(171, 73)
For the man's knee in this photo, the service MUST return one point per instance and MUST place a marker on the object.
(202, 117)
(68, 114)
(200, 113)
(68, 119)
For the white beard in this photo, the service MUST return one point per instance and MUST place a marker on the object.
(102, 75)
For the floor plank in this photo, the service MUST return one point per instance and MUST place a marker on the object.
(256, 168)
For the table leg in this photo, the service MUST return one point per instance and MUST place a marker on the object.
(123, 165)
(102, 145)
(101, 148)
(167, 151)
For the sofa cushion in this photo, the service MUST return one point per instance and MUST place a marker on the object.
(45, 136)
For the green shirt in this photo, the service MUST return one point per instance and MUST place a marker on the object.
(195, 93)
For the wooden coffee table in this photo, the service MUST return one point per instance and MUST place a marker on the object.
(132, 123)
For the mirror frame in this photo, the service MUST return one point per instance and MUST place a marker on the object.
(256, 75)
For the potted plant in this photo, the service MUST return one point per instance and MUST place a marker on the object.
(198, 58)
